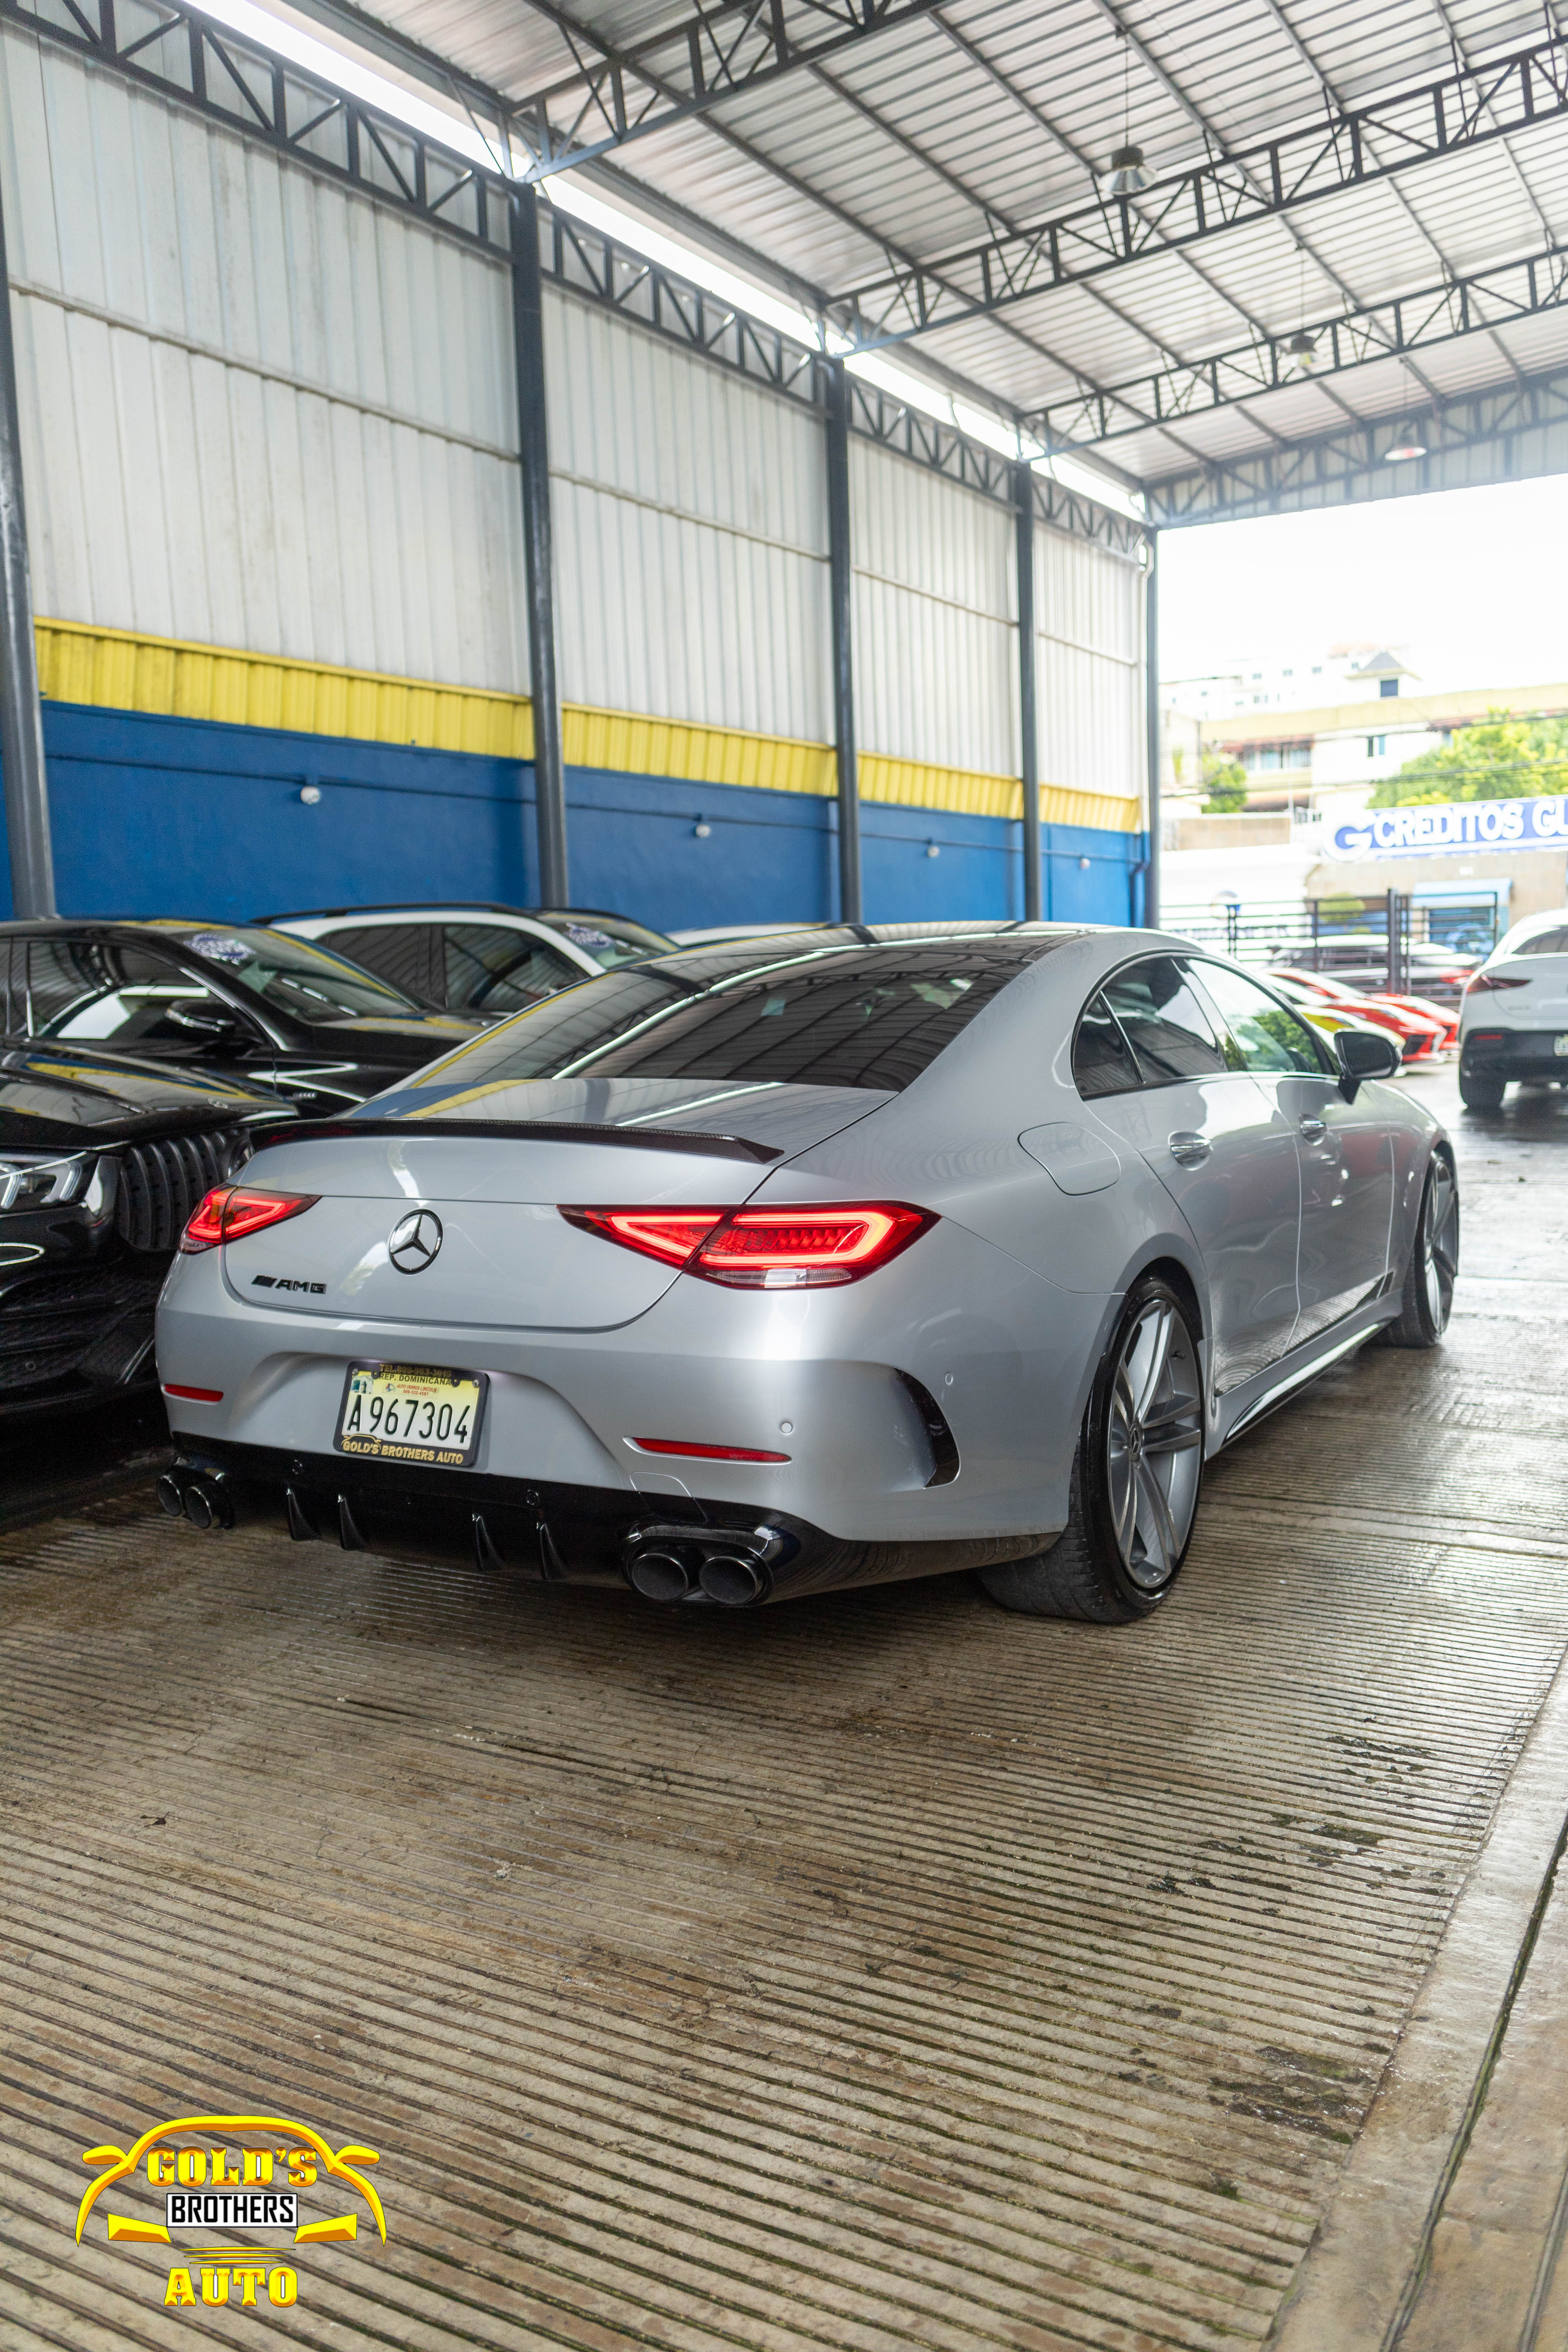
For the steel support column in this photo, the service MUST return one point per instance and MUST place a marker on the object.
(533, 449)
(1028, 663)
(1151, 726)
(21, 717)
(841, 592)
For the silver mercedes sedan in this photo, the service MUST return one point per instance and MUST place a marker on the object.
(825, 1259)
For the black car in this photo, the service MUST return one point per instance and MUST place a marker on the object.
(237, 1001)
(102, 1159)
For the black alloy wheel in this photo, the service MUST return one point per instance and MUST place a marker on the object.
(1426, 1297)
(1136, 1475)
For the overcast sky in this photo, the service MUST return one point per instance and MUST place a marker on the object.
(1470, 583)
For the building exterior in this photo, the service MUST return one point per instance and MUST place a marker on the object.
(271, 457)
(1309, 769)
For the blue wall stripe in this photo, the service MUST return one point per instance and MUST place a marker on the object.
(180, 816)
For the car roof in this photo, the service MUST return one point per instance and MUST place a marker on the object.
(165, 926)
(444, 906)
(1553, 919)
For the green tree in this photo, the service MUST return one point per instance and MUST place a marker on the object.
(1224, 782)
(1501, 759)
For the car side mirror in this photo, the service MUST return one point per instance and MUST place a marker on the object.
(205, 1020)
(1363, 1054)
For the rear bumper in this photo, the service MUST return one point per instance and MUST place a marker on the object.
(669, 1547)
(1514, 1053)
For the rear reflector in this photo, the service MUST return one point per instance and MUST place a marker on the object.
(235, 1210)
(704, 1452)
(196, 1396)
(765, 1249)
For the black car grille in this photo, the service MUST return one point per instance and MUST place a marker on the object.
(160, 1182)
(90, 1321)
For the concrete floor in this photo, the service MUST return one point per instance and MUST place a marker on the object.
(875, 1970)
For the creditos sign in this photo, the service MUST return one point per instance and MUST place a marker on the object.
(1445, 828)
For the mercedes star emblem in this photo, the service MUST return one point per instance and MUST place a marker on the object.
(414, 1241)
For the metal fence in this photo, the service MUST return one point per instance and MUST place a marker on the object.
(1297, 930)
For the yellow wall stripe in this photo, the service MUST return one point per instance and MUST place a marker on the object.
(125, 670)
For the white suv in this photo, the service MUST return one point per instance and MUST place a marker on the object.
(1513, 1023)
(484, 961)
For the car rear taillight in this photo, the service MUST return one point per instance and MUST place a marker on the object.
(765, 1249)
(1482, 982)
(233, 1210)
(669, 1233)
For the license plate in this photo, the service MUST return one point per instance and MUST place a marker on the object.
(1559, 1044)
(412, 1413)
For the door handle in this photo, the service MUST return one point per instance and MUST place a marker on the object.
(1314, 1129)
(1189, 1150)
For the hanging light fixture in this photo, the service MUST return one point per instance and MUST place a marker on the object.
(1128, 174)
(1404, 450)
(1301, 353)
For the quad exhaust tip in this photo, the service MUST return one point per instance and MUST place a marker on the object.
(730, 1577)
(686, 1564)
(200, 1500)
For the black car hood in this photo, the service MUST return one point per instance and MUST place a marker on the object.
(415, 1041)
(65, 1096)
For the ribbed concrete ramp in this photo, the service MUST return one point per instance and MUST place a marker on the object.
(876, 1971)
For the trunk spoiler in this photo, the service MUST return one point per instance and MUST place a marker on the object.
(532, 1130)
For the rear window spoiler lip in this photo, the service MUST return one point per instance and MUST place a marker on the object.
(532, 1130)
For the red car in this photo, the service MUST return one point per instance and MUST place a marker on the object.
(1423, 1030)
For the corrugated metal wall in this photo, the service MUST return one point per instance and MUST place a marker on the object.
(1088, 613)
(260, 412)
(690, 523)
(935, 618)
(264, 413)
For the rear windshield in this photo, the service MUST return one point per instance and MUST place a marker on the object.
(1541, 943)
(834, 1017)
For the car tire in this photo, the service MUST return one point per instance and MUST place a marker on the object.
(1482, 1094)
(1132, 1504)
(1426, 1296)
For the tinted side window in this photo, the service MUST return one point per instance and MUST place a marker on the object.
(492, 970)
(111, 994)
(1102, 1061)
(1166, 1022)
(1266, 1035)
(398, 952)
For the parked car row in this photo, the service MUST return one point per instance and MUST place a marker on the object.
(778, 1265)
(1359, 960)
(142, 1061)
(1422, 1028)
